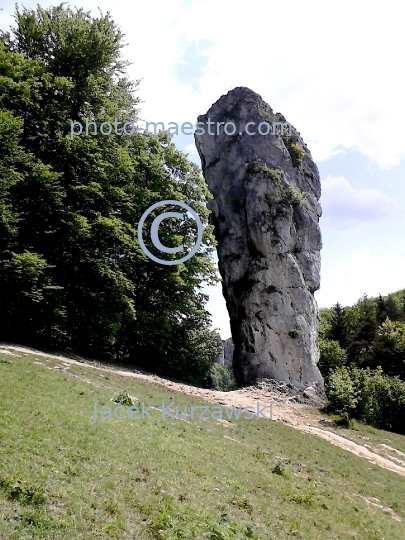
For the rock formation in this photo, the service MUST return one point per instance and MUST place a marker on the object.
(226, 356)
(228, 352)
(266, 213)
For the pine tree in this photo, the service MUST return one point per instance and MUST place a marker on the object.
(381, 309)
(392, 310)
(361, 350)
(338, 327)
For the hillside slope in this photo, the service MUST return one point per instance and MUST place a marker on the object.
(63, 477)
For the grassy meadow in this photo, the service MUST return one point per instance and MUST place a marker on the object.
(63, 478)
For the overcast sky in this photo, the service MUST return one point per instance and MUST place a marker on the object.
(333, 69)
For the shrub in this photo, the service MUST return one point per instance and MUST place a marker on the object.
(223, 378)
(297, 154)
(275, 174)
(332, 357)
(294, 148)
(341, 392)
(293, 196)
(280, 470)
(25, 493)
(123, 398)
(369, 396)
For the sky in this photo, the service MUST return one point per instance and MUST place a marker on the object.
(333, 69)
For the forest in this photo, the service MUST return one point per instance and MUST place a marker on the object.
(363, 360)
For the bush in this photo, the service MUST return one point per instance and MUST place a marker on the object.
(279, 469)
(223, 378)
(123, 398)
(25, 493)
(332, 357)
(294, 148)
(392, 346)
(369, 396)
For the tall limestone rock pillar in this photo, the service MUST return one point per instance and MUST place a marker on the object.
(266, 213)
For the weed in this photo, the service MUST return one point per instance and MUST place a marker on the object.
(244, 504)
(306, 499)
(123, 398)
(228, 530)
(17, 490)
(112, 507)
(280, 470)
(345, 421)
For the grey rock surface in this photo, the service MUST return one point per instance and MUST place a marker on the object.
(226, 356)
(265, 211)
(228, 351)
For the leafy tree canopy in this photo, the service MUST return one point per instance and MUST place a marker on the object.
(72, 273)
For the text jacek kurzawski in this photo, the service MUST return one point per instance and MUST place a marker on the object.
(194, 412)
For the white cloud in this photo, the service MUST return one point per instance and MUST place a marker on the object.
(343, 206)
(191, 149)
(336, 78)
(339, 83)
(361, 273)
(334, 71)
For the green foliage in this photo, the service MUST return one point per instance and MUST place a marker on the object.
(223, 378)
(361, 350)
(295, 149)
(25, 493)
(325, 316)
(345, 421)
(123, 398)
(332, 357)
(294, 333)
(168, 521)
(387, 308)
(244, 504)
(393, 333)
(280, 469)
(392, 346)
(297, 154)
(293, 196)
(305, 499)
(338, 330)
(371, 332)
(369, 396)
(72, 273)
(226, 529)
(342, 392)
(275, 174)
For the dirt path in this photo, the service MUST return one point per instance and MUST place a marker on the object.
(296, 415)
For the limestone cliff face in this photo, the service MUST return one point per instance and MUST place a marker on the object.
(226, 356)
(266, 213)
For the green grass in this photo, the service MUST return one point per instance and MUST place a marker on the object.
(364, 434)
(63, 478)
